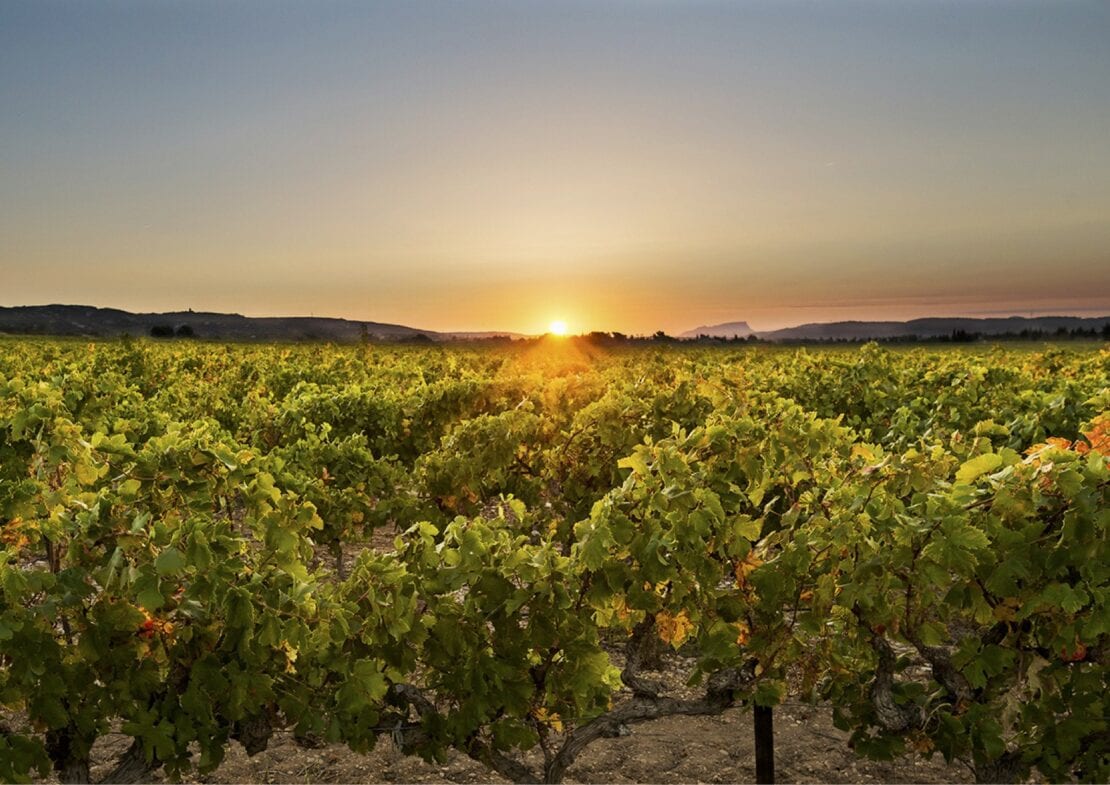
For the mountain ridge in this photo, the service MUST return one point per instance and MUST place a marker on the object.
(92, 321)
(931, 327)
(724, 330)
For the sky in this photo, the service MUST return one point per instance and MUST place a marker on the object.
(627, 165)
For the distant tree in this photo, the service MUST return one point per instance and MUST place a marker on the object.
(661, 336)
(1106, 332)
(185, 331)
(161, 331)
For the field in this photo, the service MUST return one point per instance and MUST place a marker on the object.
(552, 560)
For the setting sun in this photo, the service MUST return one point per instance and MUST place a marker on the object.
(557, 327)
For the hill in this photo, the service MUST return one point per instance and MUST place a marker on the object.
(83, 320)
(86, 320)
(933, 328)
(726, 330)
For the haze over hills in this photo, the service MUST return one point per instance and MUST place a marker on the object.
(726, 330)
(82, 320)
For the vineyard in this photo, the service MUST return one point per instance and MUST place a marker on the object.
(494, 550)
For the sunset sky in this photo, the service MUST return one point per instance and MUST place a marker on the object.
(633, 165)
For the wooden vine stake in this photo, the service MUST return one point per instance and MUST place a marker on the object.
(764, 745)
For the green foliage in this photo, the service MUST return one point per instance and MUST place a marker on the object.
(918, 537)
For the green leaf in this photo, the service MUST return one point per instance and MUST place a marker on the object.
(1060, 595)
(967, 537)
(769, 693)
(978, 466)
(635, 462)
(87, 472)
(170, 562)
(932, 634)
(990, 736)
(147, 591)
(365, 686)
(748, 528)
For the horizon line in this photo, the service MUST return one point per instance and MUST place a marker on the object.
(1083, 313)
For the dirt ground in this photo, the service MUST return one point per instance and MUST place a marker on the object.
(698, 749)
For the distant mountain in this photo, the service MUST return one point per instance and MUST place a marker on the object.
(932, 328)
(110, 322)
(83, 320)
(726, 330)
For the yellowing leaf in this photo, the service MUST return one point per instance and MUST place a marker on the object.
(673, 629)
(550, 719)
(743, 633)
(1099, 435)
(863, 451)
(745, 567)
(290, 653)
(87, 473)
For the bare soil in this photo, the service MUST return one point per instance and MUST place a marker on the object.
(699, 749)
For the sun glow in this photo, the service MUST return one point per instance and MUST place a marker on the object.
(557, 327)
